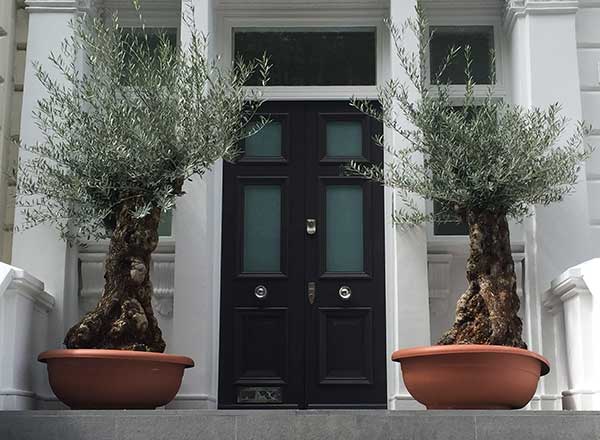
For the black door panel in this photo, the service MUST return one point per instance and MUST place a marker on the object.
(279, 348)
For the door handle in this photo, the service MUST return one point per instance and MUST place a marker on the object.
(311, 226)
(312, 292)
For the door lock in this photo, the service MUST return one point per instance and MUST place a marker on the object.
(260, 292)
(311, 226)
(312, 292)
(345, 292)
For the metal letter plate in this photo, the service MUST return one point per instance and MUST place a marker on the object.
(260, 395)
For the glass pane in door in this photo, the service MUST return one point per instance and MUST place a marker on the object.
(344, 229)
(265, 143)
(344, 138)
(262, 228)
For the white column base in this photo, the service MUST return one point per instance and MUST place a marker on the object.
(575, 297)
(24, 308)
(581, 400)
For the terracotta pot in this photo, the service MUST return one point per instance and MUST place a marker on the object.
(114, 379)
(471, 376)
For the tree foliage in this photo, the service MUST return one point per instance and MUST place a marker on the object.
(472, 154)
(128, 118)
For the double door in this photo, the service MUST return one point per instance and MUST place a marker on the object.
(302, 285)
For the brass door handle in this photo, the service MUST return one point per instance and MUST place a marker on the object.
(312, 292)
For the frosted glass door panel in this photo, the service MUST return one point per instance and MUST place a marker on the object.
(344, 230)
(265, 143)
(344, 139)
(262, 228)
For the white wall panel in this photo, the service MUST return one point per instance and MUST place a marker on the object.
(588, 28)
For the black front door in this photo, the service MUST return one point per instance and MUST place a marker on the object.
(302, 296)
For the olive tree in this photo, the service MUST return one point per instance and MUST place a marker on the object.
(129, 119)
(482, 161)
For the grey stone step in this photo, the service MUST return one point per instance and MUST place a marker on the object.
(298, 425)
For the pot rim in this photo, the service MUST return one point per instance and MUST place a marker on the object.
(87, 353)
(436, 350)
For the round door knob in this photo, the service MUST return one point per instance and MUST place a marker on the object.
(345, 293)
(260, 291)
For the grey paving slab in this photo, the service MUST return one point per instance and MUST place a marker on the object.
(266, 426)
(432, 427)
(57, 428)
(192, 426)
(298, 425)
(557, 426)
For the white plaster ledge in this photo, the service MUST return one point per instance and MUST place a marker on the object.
(13, 279)
(583, 279)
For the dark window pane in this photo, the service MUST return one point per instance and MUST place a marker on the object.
(481, 41)
(448, 228)
(135, 36)
(145, 42)
(312, 58)
(165, 227)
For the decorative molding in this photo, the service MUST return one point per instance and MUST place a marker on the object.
(520, 8)
(19, 282)
(298, 5)
(201, 397)
(60, 6)
(464, 8)
(569, 284)
(162, 274)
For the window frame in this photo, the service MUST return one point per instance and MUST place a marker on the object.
(228, 23)
(366, 30)
(480, 92)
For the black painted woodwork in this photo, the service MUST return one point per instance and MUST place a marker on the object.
(330, 354)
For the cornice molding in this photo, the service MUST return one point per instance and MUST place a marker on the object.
(521, 8)
(61, 6)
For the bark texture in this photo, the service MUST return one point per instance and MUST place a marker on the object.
(124, 319)
(487, 312)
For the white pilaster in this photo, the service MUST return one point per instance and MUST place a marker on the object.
(574, 297)
(197, 263)
(538, 31)
(40, 251)
(407, 295)
(557, 236)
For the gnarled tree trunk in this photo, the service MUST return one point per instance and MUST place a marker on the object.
(123, 319)
(487, 312)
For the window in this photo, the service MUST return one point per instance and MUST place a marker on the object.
(165, 227)
(481, 41)
(311, 57)
(132, 37)
(153, 36)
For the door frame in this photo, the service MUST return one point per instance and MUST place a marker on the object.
(339, 16)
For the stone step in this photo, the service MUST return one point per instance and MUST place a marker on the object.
(298, 425)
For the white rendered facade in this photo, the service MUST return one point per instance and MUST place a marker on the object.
(547, 51)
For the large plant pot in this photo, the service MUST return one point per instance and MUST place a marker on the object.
(471, 376)
(114, 379)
